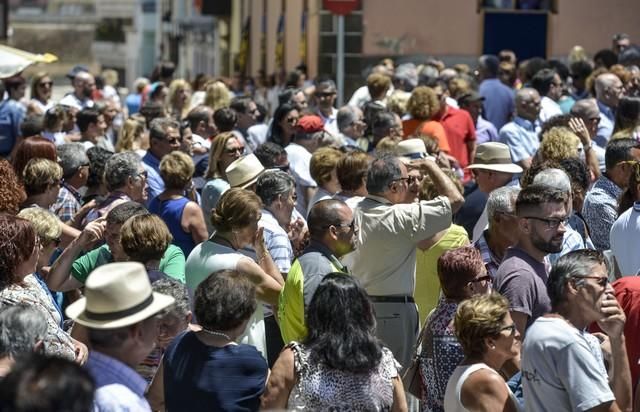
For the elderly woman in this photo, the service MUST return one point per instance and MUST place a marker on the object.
(224, 150)
(207, 369)
(183, 217)
(462, 274)
(351, 172)
(322, 167)
(341, 365)
(489, 338)
(235, 220)
(19, 253)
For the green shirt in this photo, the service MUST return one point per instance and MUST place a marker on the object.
(172, 263)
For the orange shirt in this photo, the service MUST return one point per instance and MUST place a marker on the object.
(430, 128)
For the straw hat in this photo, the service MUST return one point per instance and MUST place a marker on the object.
(412, 149)
(117, 295)
(494, 156)
(244, 172)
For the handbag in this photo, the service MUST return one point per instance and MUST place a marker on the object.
(411, 377)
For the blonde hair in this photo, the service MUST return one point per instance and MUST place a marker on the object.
(397, 102)
(559, 143)
(323, 162)
(130, 135)
(423, 103)
(176, 170)
(478, 318)
(387, 145)
(174, 87)
(46, 224)
(145, 237)
(215, 153)
(216, 95)
(39, 174)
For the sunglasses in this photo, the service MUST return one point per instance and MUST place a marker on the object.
(351, 225)
(46, 84)
(239, 150)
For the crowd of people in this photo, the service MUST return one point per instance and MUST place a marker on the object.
(452, 239)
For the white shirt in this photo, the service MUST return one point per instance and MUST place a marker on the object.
(623, 239)
(299, 161)
(548, 109)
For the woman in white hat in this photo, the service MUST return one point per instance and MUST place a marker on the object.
(235, 220)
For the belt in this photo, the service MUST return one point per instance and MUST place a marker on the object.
(392, 299)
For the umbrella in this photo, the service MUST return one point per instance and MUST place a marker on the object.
(13, 61)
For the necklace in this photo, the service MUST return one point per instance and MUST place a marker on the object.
(216, 333)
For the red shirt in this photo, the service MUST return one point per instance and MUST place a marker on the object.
(460, 130)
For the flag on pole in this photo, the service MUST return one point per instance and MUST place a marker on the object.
(243, 52)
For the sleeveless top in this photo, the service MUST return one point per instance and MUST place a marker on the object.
(170, 211)
(320, 388)
(452, 402)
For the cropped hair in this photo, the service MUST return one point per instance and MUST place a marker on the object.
(46, 224)
(176, 170)
(240, 104)
(39, 174)
(477, 318)
(323, 163)
(144, 238)
(236, 209)
(342, 326)
(268, 152)
(12, 193)
(619, 150)
(352, 170)
(121, 213)
(423, 103)
(119, 168)
(575, 264)
(224, 300)
(214, 169)
(543, 80)
(32, 125)
(502, 200)
(272, 184)
(21, 327)
(199, 114)
(631, 193)
(323, 214)
(72, 156)
(225, 119)
(159, 126)
(533, 196)
(31, 148)
(554, 178)
(456, 268)
(17, 244)
(86, 117)
(382, 172)
(378, 84)
(428, 189)
(97, 160)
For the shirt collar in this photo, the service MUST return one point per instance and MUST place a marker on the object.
(107, 370)
(151, 160)
(605, 110)
(315, 246)
(72, 190)
(524, 123)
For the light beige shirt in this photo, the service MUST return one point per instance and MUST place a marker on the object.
(385, 258)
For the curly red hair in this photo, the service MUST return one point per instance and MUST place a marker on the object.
(11, 191)
(17, 243)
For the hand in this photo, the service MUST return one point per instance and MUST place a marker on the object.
(443, 160)
(258, 241)
(578, 127)
(613, 317)
(94, 231)
(82, 212)
(82, 352)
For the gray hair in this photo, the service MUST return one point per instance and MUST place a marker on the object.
(119, 168)
(502, 200)
(382, 172)
(553, 178)
(71, 157)
(576, 264)
(273, 183)
(177, 290)
(346, 117)
(21, 327)
(158, 127)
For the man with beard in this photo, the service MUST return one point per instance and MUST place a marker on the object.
(83, 87)
(522, 276)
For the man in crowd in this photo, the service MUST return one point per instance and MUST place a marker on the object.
(587, 110)
(562, 364)
(609, 90)
(75, 172)
(500, 235)
(325, 95)
(387, 269)
(521, 134)
(549, 86)
(247, 113)
(92, 126)
(522, 275)
(164, 138)
(498, 104)
(309, 133)
(83, 87)
(332, 231)
(24, 330)
(119, 311)
(351, 125)
(600, 207)
(472, 103)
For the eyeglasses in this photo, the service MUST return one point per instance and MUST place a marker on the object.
(239, 150)
(45, 84)
(142, 175)
(413, 178)
(351, 225)
(629, 162)
(550, 222)
(602, 280)
(485, 278)
(511, 328)
(173, 141)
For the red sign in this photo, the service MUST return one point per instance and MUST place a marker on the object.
(340, 7)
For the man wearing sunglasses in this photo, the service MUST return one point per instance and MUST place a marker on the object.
(541, 223)
(164, 138)
(562, 364)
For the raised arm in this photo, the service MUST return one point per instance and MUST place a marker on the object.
(443, 183)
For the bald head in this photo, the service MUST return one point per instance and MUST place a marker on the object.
(324, 214)
(609, 89)
(528, 103)
(83, 84)
(585, 109)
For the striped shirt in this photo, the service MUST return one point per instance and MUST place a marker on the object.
(277, 241)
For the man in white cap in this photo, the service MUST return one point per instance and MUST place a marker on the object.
(492, 168)
(244, 172)
(118, 309)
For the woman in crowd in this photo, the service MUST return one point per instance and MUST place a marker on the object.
(351, 172)
(132, 136)
(42, 179)
(207, 369)
(489, 338)
(559, 143)
(341, 350)
(30, 148)
(53, 124)
(283, 126)
(461, 274)
(216, 95)
(235, 220)
(627, 122)
(41, 90)
(12, 193)
(183, 217)
(19, 254)
(178, 99)
(224, 150)
(323, 170)
(422, 106)
(158, 93)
